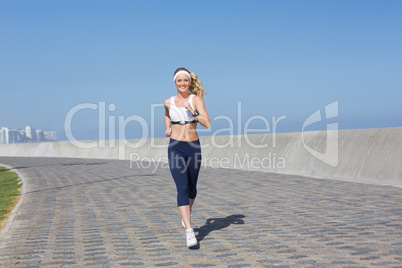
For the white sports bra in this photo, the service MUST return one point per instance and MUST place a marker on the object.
(181, 114)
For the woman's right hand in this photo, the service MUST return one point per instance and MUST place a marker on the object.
(168, 132)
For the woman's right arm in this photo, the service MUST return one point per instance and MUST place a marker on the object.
(168, 131)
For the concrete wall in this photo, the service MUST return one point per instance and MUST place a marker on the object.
(362, 155)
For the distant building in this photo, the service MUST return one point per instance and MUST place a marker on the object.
(39, 135)
(30, 133)
(22, 135)
(9, 136)
(50, 135)
(14, 136)
(3, 135)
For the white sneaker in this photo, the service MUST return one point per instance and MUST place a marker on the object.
(182, 222)
(190, 238)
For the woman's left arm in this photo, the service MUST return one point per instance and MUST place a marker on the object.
(203, 117)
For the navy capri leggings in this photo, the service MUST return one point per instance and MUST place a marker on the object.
(184, 162)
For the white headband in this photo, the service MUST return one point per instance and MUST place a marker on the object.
(181, 72)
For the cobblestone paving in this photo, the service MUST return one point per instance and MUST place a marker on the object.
(102, 213)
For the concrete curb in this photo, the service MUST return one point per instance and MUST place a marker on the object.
(14, 211)
(357, 155)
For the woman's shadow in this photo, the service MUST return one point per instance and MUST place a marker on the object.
(214, 224)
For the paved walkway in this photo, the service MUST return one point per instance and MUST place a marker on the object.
(102, 213)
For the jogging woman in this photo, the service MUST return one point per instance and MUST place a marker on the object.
(182, 113)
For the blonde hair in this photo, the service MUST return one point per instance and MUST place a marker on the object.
(196, 85)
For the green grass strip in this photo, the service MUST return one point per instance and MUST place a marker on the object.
(9, 193)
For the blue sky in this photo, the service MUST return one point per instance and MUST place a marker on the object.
(277, 58)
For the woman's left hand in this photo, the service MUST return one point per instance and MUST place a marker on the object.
(188, 107)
